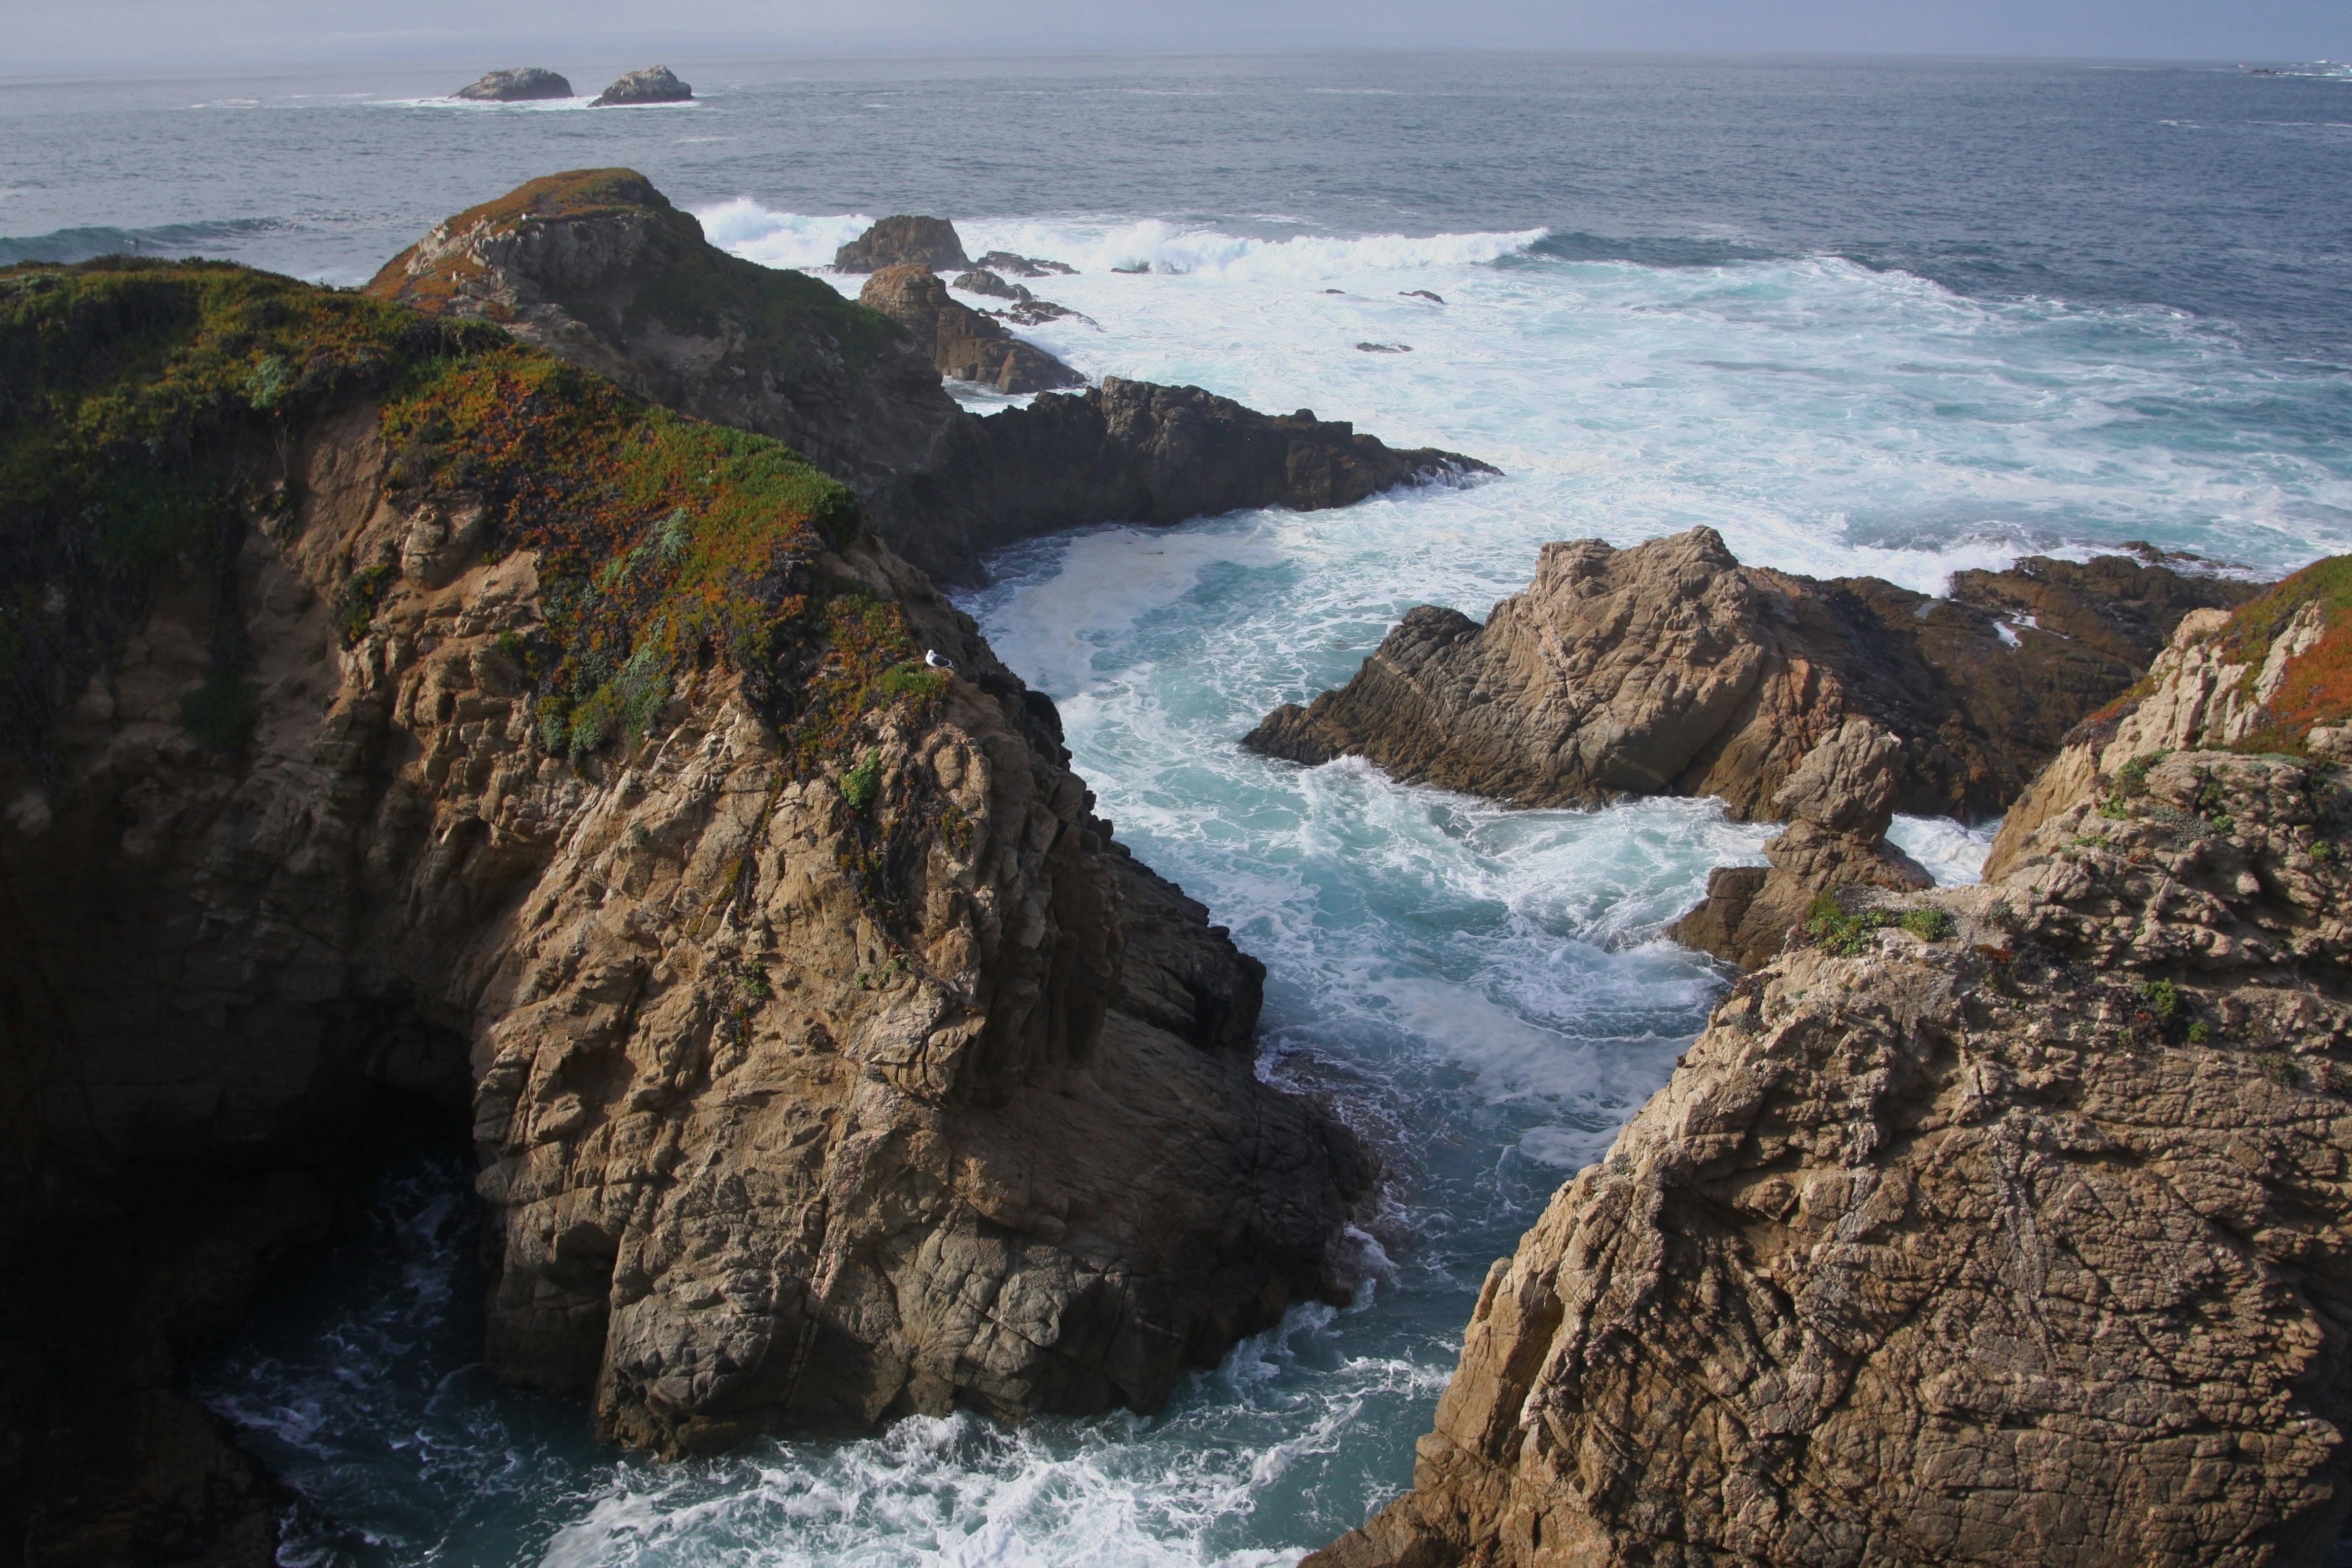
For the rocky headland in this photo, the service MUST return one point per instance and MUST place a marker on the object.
(405, 734)
(647, 84)
(524, 84)
(2001, 1225)
(597, 267)
(1671, 669)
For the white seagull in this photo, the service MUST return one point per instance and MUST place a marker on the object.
(931, 657)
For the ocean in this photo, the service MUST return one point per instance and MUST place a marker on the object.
(1882, 317)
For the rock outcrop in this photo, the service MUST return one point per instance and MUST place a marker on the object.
(1670, 669)
(1024, 266)
(931, 243)
(409, 719)
(647, 84)
(2004, 1224)
(595, 267)
(524, 84)
(965, 344)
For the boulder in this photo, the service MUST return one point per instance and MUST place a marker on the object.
(522, 85)
(649, 84)
(965, 344)
(2000, 1225)
(981, 281)
(903, 241)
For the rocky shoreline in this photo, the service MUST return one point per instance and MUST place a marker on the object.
(2003, 1224)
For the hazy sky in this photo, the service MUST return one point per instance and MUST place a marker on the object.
(39, 39)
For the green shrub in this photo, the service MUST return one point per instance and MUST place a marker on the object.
(1930, 924)
(2163, 998)
(861, 784)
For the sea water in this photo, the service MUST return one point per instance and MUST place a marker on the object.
(1861, 317)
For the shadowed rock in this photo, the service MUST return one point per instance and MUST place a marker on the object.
(518, 86)
(965, 344)
(905, 241)
(649, 84)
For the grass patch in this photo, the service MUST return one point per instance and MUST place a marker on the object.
(1848, 935)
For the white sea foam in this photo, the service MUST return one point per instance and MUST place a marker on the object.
(1953, 852)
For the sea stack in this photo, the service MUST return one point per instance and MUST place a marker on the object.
(905, 241)
(522, 85)
(654, 84)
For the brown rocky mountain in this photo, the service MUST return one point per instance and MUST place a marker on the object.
(410, 721)
(1671, 669)
(2002, 1225)
(597, 267)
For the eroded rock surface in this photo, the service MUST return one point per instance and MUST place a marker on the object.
(483, 734)
(1669, 668)
(596, 267)
(906, 240)
(647, 84)
(965, 344)
(2016, 1233)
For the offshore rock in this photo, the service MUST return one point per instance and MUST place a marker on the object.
(1024, 266)
(523, 85)
(965, 344)
(2011, 1233)
(931, 243)
(1670, 669)
(489, 736)
(648, 84)
(596, 267)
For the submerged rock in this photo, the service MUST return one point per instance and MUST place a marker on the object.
(1999, 1224)
(522, 85)
(649, 84)
(597, 267)
(965, 344)
(1024, 266)
(931, 243)
(478, 732)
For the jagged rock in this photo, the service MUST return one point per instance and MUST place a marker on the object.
(1024, 266)
(596, 267)
(931, 243)
(1130, 452)
(965, 344)
(505, 739)
(2014, 1233)
(981, 281)
(1671, 669)
(648, 84)
(522, 85)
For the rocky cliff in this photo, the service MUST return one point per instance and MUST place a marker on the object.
(1671, 669)
(398, 721)
(596, 267)
(1999, 1226)
(965, 345)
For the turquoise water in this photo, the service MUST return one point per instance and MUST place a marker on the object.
(1889, 319)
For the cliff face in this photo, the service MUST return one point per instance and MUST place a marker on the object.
(397, 718)
(2006, 1225)
(597, 267)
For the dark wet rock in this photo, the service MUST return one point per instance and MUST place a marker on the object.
(1421, 294)
(931, 243)
(1024, 266)
(982, 281)
(966, 345)
(522, 85)
(652, 84)
(1386, 347)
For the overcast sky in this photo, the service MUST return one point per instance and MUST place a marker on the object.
(78, 37)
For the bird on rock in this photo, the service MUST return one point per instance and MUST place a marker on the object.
(933, 658)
